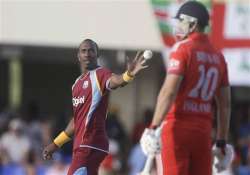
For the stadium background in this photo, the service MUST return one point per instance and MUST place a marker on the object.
(38, 41)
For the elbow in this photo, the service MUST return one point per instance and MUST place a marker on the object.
(171, 96)
(114, 86)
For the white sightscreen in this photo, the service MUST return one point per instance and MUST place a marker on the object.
(112, 23)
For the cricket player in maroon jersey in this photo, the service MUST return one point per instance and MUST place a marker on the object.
(196, 75)
(90, 101)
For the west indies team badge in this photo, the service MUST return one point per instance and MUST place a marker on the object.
(85, 84)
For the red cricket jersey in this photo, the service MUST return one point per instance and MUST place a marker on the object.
(90, 101)
(204, 71)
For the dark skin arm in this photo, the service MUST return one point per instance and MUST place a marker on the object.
(133, 68)
(52, 147)
(70, 128)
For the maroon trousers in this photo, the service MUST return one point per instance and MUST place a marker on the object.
(86, 161)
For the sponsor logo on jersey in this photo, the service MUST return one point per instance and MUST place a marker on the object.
(78, 100)
(85, 84)
(173, 64)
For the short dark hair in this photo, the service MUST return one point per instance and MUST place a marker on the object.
(92, 41)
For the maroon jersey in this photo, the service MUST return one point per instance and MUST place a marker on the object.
(90, 101)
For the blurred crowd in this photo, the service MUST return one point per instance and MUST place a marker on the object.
(23, 135)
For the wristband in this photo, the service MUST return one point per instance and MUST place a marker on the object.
(152, 126)
(61, 139)
(126, 77)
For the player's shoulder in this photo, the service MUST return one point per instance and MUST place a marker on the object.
(76, 80)
(102, 70)
(220, 56)
(181, 45)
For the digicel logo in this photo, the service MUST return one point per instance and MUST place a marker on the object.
(77, 100)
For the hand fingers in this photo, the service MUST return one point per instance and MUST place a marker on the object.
(45, 152)
(46, 155)
(127, 59)
(144, 67)
(141, 58)
(137, 55)
(143, 62)
(129, 62)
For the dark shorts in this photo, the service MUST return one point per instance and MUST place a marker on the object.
(86, 161)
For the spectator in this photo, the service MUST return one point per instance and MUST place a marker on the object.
(136, 160)
(111, 164)
(114, 128)
(14, 142)
(140, 126)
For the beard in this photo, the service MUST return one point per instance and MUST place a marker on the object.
(88, 65)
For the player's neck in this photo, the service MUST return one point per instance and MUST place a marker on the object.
(85, 71)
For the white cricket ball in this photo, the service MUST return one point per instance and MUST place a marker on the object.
(147, 54)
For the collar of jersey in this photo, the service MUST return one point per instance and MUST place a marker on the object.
(84, 76)
(198, 36)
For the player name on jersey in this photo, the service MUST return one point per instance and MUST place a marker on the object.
(207, 58)
(193, 106)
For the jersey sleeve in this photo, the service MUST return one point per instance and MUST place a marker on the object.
(75, 83)
(177, 61)
(103, 77)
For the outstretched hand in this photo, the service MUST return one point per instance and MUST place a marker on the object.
(137, 64)
(49, 150)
